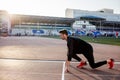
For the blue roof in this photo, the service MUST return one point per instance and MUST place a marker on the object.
(91, 17)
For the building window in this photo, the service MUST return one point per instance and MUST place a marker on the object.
(83, 26)
(102, 11)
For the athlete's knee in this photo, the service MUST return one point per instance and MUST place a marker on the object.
(92, 66)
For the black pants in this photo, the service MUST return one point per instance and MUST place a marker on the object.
(90, 57)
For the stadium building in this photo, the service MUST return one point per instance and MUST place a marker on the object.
(16, 24)
(39, 25)
(103, 19)
(75, 21)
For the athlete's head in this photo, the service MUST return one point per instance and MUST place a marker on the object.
(63, 34)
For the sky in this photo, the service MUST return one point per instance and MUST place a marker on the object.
(56, 8)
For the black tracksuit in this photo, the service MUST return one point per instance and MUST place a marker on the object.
(78, 46)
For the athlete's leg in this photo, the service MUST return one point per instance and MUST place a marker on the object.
(82, 63)
(76, 57)
(90, 57)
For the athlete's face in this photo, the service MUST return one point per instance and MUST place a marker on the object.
(62, 36)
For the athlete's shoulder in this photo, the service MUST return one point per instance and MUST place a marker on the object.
(73, 38)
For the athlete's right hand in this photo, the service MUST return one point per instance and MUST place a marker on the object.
(67, 71)
(67, 64)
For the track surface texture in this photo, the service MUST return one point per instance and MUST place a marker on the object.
(37, 58)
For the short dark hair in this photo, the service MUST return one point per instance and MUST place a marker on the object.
(63, 32)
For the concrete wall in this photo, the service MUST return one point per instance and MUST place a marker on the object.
(73, 13)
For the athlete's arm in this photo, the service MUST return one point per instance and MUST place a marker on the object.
(67, 64)
(69, 54)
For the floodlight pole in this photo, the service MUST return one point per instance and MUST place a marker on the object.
(113, 26)
(19, 23)
(100, 26)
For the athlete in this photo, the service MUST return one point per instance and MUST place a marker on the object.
(77, 46)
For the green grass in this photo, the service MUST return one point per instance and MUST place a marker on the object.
(101, 40)
(55, 37)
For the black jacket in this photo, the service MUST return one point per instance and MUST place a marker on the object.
(77, 46)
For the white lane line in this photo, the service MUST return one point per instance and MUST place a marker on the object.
(117, 62)
(31, 60)
(35, 60)
(63, 72)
